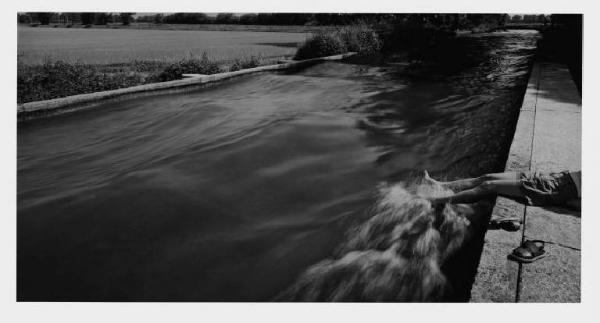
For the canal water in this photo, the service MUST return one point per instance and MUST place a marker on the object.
(268, 187)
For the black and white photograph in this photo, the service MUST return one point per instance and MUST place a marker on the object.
(297, 156)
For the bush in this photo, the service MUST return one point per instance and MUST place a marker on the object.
(321, 44)
(55, 79)
(240, 64)
(169, 73)
(59, 79)
(191, 65)
(361, 39)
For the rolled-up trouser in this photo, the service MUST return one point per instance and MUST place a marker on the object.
(550, 189)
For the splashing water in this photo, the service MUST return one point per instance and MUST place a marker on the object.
(394, 256)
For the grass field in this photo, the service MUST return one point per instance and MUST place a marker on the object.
(58, 62)
(109, 46)
(205, 27)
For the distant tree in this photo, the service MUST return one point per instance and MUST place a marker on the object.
(158, 18)
(44, 17)
(264, 18)
(290, 18)
(101, 18)
(186, 18)
(23, 18)
(248, 19)
(87, 18)
(126, 18)
(197, 18)
(542, 19)
(226, 18)
(516, 19)
(73, 17)
(529, 18)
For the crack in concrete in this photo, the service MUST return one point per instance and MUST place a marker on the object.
(524, 228)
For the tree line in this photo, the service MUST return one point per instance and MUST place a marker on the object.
(84, 18)
(322, 19)
(541, 18)
(448, 21)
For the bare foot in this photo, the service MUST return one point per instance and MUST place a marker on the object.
(428, 179)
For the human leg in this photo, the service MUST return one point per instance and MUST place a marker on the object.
(507, 188)
(468, 183)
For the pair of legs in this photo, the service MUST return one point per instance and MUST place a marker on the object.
(471, 190)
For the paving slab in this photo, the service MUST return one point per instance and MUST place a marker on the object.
(497, 281)
(557, 141)
(556, 278)
(555, 225)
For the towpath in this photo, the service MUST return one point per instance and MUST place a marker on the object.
(547, 138)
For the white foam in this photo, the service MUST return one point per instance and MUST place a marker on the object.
(396, 255)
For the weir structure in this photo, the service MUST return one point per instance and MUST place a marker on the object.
(190, 82)
(547, 138)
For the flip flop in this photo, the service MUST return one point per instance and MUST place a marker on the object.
(529, 251)
(505, 224)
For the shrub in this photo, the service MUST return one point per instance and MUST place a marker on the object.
(239, 64)
(59, 79)
(191, 65)
(146, 66)
(321, 44)
(361, 39)
(169, 73)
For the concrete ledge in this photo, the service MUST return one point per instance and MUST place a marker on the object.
(31, 110)
(547, 138)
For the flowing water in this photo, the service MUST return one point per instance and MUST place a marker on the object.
(271, 186)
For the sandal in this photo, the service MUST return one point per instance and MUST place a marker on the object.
(505, 224)
(529, 251)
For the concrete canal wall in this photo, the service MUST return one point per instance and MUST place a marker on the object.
(31, 110)
(547, 138)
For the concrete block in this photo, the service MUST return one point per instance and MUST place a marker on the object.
(558, 225)
(556, 278)
(557, 142)
(496, 279)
